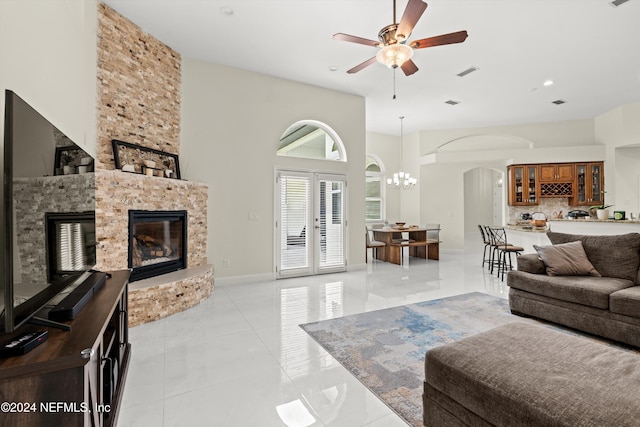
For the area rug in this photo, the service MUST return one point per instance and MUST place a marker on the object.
(385, 349)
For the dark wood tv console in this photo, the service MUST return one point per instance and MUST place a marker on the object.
(75, 378)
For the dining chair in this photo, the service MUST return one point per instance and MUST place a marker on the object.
(374, 245)
(433, 232)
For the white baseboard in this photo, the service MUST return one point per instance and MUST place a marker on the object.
(238, 280)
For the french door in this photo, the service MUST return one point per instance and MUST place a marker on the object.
(310, 223)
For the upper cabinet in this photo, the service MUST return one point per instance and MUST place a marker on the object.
(582, 183)
(556, 172)
(589, 184)
(523, 185)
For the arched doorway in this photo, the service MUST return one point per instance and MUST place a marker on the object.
(484, 202)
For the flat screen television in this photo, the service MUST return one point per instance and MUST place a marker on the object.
(47, 213)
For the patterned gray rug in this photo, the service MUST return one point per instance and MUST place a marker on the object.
(385, 349)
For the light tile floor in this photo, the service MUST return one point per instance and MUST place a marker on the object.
(240, 358)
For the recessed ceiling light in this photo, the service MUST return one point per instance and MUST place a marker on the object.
(548, 82)
(226, 10)
(558, 101)
(333, 68)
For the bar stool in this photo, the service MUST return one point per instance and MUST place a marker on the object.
(503, 247)
(487, 245)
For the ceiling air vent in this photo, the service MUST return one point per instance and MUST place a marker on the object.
(558, 101)
(616, 3)
(452, 102)
(469, 70)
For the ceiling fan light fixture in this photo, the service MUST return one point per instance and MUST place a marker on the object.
(394, 55)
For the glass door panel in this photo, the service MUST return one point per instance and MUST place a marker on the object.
(531, 183)
(293, 238)
(330, 223)
(581, 181)
(596, 186)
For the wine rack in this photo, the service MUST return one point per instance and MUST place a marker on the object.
(556, 189)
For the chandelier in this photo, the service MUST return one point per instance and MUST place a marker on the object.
(402, 179)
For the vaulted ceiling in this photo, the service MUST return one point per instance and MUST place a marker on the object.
(588, 48)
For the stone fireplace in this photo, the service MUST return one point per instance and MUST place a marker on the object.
(139, 80)
(157, 242)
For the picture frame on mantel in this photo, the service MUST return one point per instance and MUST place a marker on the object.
(71, 159)
(135, 158)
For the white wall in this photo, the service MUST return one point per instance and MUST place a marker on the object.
(387, 148)
(49, 59)
(442, 198)
(619, 130)
(232, 121)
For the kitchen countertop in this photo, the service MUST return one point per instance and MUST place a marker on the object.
(618, 221)
(526, 228)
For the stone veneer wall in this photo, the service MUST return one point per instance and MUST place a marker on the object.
(118, 192)
(138, 81)
(138, 88)
(153, 303)
(35, 197)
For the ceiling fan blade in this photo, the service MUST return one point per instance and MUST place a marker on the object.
(355, 39)
(361, 66)
(410, 17)
(409, 67)
(443, 39)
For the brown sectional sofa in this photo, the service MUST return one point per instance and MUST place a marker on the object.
(608, 306)
(525, 374)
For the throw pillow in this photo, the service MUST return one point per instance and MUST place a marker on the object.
(613, 256)
(566, 259)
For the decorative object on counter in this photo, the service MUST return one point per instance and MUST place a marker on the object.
(148, 161)
(525, 216)
(578, 213)
(539, 219)
(557, 215)
(400, 224)
(69, 158)
(602, 213)
(619, 215)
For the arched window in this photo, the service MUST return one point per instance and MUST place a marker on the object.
(374, 189)
(311, 139)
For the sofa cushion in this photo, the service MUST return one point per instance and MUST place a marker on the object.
(585, 290)
(626, 301)
(531, 263)
(566, 259)
(613, 256)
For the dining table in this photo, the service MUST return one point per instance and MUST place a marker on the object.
(397, 238)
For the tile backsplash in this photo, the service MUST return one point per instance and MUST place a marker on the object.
(552, 207)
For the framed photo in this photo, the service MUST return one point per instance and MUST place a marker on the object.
(137, 159)
(69, 159)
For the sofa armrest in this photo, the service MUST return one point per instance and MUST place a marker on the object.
(531, 263)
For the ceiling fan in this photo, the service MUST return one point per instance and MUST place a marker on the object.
(395, 51)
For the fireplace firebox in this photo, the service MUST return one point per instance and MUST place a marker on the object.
(157, 242)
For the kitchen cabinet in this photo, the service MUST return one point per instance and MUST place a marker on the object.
(523, 185)
(589, 184)
(556, 172)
